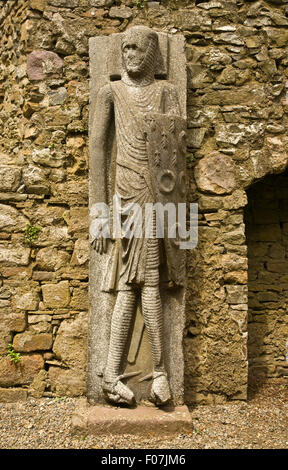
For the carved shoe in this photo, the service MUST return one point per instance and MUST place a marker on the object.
(117, 392)
(160, 391)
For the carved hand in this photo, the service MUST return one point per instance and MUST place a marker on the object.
(100, 245)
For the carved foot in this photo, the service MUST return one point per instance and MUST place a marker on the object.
(117, 392)
(160, 391)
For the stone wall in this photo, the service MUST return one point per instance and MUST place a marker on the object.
(237, 119)
(267, 239)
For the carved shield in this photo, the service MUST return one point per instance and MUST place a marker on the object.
(166, 150)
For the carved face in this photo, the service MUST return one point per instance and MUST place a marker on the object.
(136, 53)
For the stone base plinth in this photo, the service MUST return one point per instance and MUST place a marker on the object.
(99, 419)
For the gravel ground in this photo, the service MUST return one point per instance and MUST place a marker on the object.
(261, 423)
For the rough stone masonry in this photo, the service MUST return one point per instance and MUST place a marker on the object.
(237, 134)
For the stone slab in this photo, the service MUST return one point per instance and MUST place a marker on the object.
(11, 395)
(96, 420)
(102, 303)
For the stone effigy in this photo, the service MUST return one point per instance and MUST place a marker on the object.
(137, 160)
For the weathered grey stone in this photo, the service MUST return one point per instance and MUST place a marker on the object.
(80, 299)
(49, 215)
(199, 77)
(101, 3)
(70, 383)
(12, 322)
(153, 4)
(228, 76)
(54, 236)
(11, 395)
(210, 5)
(77, 220)
(14, 255)
(195, 137)
(216, 59)
(11, 219)
(6, 337)
(64, 3)
(276, 36)
(12, 197)
(209, 174)
(9, 178)
(26, 301)
(120, 12)
(194, 20)
(260, 162)
(34, 175)
(149, 93)
(229, 38)
(236, 200)
(28, 342)
(229, 134)
(40, 327)
(239, 277)
(38, 386)
(233, 134)
(275, 128)
(233, 262)
(237, 294)
(47, 157)
(56, 295)
(70, 343)
(58, 96)
(51, 259)
(277, 154)
(250, 94)
(43, 276)
(39, 318)
(208, 202)
(235, 237)
(81, 252)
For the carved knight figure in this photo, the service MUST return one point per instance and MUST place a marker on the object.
(149, 168)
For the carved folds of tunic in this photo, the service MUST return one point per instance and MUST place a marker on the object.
(136, 319)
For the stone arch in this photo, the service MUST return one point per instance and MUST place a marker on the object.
(266, 222)
(217, 312)
(269, 167)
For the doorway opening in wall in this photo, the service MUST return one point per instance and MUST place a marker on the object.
(266, 221)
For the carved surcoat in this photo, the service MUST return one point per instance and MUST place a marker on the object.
(129, 256)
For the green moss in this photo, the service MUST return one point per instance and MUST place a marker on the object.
(31, 233)
(141, 3)
(14, 356)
